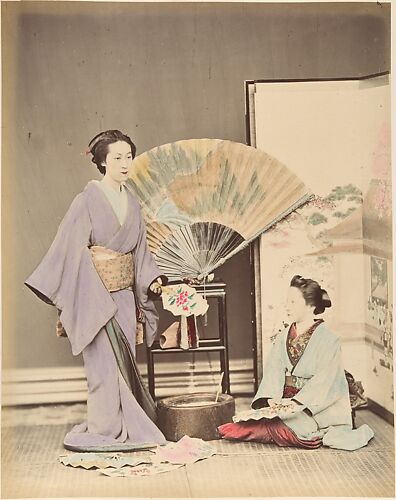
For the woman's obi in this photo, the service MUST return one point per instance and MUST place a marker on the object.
(293, 385)
(296, 382)
(116, 270)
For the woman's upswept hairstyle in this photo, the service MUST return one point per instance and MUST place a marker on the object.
(99, 146)
(313, 293)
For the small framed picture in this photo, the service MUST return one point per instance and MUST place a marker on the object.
(379, 280)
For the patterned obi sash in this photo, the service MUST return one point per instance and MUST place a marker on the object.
(116, 270)
(293, 385)
(296, 382)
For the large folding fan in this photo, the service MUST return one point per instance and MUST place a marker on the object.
(206, 199)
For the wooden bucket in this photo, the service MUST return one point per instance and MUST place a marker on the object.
(196, 415)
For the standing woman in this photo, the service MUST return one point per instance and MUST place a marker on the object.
(304, 371)
(101, 277)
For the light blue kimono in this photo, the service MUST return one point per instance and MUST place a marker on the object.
(324, 393)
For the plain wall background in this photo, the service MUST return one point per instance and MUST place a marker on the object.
(161, 72)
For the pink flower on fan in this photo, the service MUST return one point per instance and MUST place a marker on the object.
(181, 298)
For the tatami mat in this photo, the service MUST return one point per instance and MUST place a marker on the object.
(30, 467)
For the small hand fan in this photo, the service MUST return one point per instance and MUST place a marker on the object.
(183, 300)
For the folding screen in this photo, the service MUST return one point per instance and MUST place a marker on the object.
(335, 135)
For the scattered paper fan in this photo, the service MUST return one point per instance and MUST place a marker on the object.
(100, 461)
(187, 450)
(140, 470)
(205, 199)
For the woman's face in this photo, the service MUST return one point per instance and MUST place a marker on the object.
(296, 308)
(118, 161)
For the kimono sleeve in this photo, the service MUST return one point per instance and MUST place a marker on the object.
(328, 384)
(47, 279)
(273, 380)
(67, 279)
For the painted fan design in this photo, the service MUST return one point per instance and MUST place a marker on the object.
(183, 300)
(206, 199)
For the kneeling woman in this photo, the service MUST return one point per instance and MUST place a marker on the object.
(304, 369)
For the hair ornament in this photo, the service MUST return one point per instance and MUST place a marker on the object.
(325, 295)
(95, 141)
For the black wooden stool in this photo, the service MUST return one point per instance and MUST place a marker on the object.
(217, 344)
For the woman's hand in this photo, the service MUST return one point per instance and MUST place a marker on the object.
(156, 286)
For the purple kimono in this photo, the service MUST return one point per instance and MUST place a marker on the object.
(67, 279)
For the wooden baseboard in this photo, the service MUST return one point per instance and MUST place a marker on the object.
(381, 411)
(68, 384)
